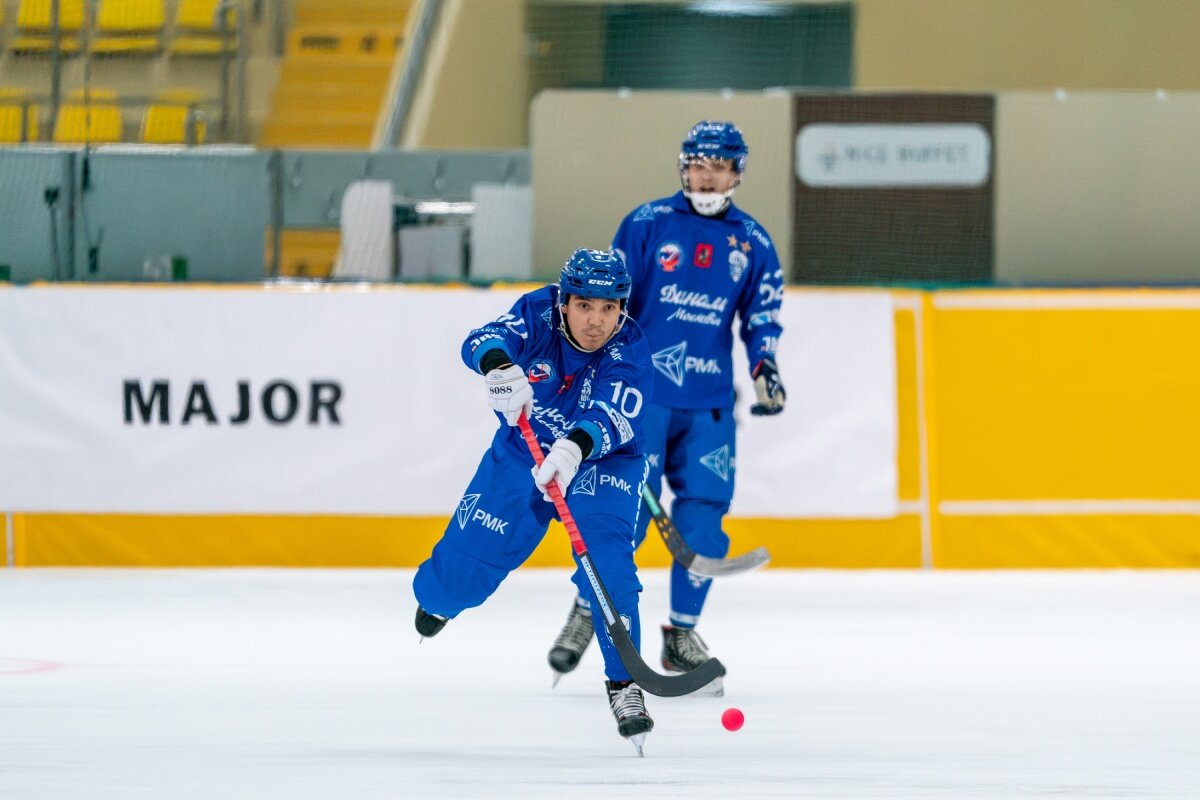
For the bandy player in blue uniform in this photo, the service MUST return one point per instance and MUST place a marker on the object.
(697, 260)
(569, 358)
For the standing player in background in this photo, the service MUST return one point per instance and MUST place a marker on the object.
(696, 260)
(567, 357)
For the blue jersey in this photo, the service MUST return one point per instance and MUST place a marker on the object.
(691, 274)
(601, 392)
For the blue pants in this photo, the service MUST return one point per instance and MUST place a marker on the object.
(696, 449)
(501, 519)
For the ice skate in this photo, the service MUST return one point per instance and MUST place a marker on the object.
(628, 706)
(572, 641)
(684, 650)
(428, 625)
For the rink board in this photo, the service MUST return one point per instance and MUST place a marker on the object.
(1033, 428)
(312, 541)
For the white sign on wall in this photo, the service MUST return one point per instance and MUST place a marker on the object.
(355, 401)
(953, 155)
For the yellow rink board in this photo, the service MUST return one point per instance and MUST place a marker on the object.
(1068, 403)
(1065, 430)
(1076, 541)
(118, 540)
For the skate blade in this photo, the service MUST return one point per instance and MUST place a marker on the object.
(637, 740)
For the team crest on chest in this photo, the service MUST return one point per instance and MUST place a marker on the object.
(669, 256)
(540, 370)
(737, 264)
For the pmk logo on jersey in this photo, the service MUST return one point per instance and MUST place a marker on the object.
(675, 363)
(670, 362)
(669, 256)
(540, 371)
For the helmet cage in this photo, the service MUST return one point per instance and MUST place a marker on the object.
(708, 141)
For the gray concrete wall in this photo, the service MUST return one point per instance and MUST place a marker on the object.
(1097, 187)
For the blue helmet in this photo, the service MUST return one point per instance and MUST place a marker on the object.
(714, 140)
(595, 273)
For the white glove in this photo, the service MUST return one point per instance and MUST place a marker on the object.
(560, 465)
(509, 392)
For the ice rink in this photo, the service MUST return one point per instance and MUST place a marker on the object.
(311, 684)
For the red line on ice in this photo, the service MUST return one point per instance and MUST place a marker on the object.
(26, 666)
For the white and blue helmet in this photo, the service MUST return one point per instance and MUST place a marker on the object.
(712, 140)
(595, 273)
(599, 274)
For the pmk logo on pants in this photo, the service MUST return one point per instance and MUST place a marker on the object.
(718, 461)
(591, 479)
(467, 512)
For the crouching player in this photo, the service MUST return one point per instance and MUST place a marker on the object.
(569, 358)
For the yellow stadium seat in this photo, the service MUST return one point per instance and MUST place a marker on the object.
(197, 32)
(168, 123)
(34, 16)
(381, 41)
(13, 111)
(88, 124)
(34, 24)
(129, 27)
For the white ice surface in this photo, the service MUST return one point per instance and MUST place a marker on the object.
(310, 684)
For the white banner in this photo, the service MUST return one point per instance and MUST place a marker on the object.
(832, 452)
(838, 155)
(347, 400)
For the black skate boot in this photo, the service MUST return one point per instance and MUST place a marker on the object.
(574, 638)
(428, 624)
(629, 709)
(684, 650)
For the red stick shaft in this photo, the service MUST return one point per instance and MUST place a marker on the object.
(560, 502)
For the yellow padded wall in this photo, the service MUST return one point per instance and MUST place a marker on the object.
(1068, 403)
(1066, 428)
